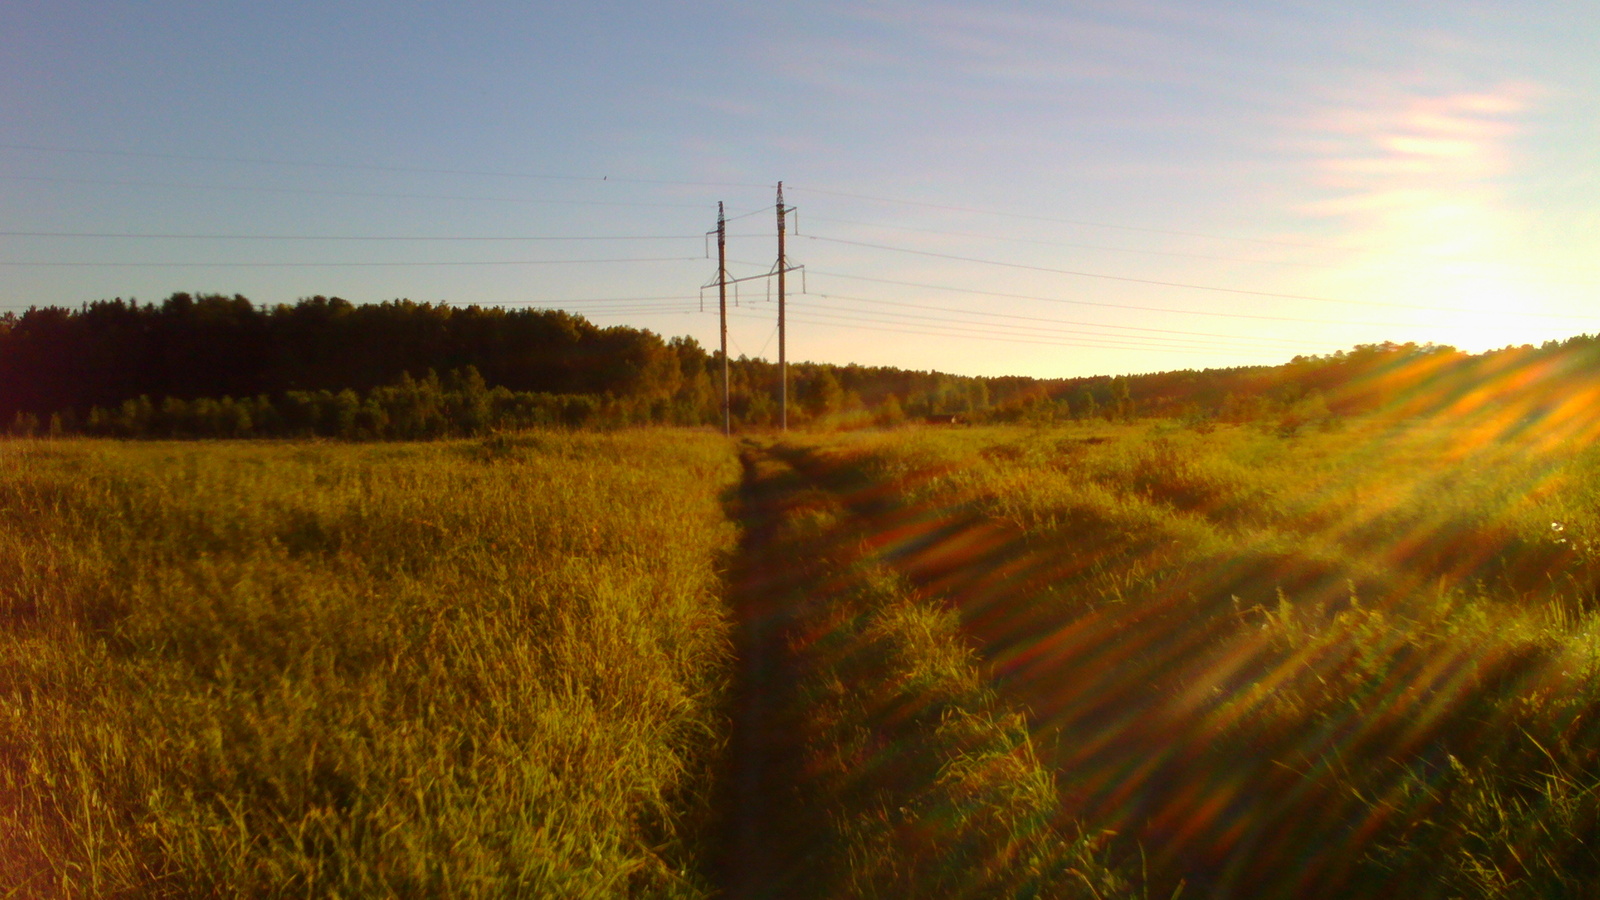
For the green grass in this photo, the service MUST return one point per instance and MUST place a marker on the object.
(1096, 660)
(489, 668)
(907, 775)
(1351, 663)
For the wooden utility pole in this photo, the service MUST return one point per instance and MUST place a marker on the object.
(783, 359)
(722, 282)
(722, 304)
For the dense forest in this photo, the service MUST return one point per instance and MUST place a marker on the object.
(223, 366)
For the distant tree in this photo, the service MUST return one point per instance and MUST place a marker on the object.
(301, 413)
(265, 417)
(372, 421)
(1087, 406)
(137, 416)
(822, 394)
(174, 418)
(467, 400)
(100, 423)
(343, 411)
(889, 412)
(1121, 398)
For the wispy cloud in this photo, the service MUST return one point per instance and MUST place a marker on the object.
(1413, 162)
(984, 51)
(1423, 166)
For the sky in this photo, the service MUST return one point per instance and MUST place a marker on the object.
(1044, 189)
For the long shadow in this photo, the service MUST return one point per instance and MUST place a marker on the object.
(769, 830)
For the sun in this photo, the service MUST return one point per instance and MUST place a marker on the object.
(1484, 314)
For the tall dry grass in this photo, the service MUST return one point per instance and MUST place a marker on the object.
(901, 772)
(468, 669)
(1360, 662)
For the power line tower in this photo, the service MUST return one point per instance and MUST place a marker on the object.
(722, 281)
(783, 358)
(781, 269)
(722, 306)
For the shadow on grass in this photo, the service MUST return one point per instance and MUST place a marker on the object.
(870, 757)
(1171, 708)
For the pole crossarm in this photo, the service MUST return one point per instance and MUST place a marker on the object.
(713, 282)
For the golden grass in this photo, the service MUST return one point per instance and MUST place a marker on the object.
(1360, 662)
(903, 773)
(462, 669)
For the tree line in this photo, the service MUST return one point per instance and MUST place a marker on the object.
(207, 365)
(215, 365)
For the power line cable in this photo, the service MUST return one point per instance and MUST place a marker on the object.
(1037, 218)
(1166, 231)
(770, 335)
(746, 215)
(1182, 255)
(343, 237)
(589, 313)
(1068, 321)
(1121, 306)
(569, 304)
(1153, 343)
(679, 297)
(360, 194)
(1186, 336)
(1186, 285)
(605, 304)
(373, 167)
(805, 319)
(923, 330)
(310, 265)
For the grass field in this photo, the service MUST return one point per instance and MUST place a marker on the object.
(465, 669)
(1360, 662)
(886, 765)
(1094, 660)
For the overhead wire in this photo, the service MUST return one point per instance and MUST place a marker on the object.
(1182, 255)
(338, 265)
(346, 237)
(1182, 284)
(376, 195)
(1307, 245)
(1173, 339)
(594, 313)
(1102, 304)
(1146, 341)
(1064, 321)
(1056, 219)
(373, 167)
(745, 215)
(1040, 298)
(607, 178)
(1183, 336)
(803, 318)
(665, 297)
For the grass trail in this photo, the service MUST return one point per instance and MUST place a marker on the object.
(873, 760)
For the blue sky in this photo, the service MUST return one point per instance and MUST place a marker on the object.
(1040, 189)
